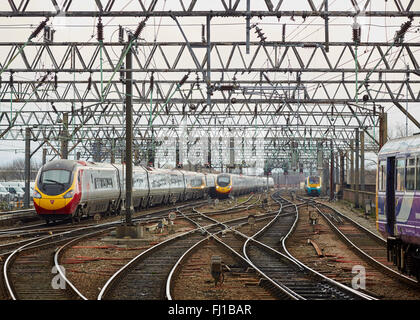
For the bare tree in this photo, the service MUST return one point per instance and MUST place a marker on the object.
(16, 170)
(399, 131)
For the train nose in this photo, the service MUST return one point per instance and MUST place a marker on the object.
(53, 203)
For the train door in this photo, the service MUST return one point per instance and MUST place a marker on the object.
(390, 195)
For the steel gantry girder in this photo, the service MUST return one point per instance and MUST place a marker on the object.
(288, 94)
(321, 78)
(237, 8)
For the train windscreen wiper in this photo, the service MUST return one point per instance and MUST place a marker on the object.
(53, 181)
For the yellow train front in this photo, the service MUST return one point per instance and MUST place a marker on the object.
(227, 184)
(313, 185)
(224, 185)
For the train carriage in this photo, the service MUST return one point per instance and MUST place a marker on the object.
(159, 186)
(177, 186)
(211, 183)
(140, 192)
(398, 202)
(75, 189)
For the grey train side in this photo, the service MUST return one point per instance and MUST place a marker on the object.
(93, 188)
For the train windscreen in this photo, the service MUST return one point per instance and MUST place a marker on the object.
(223, 181)
(54, 182)
(314, 180)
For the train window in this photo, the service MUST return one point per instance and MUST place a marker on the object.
(382, 176)
(103, 183)
(418, 174)
(400, 174)
(196, 182)
(411, 174)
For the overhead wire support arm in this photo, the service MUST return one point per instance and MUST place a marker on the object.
(34, 34)
(398, 39)
(132, 39)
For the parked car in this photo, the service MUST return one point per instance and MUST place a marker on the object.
(16, 191)
(20, 185)
(3, 192)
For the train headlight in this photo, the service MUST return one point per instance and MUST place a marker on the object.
(37, 195)
(69, 194)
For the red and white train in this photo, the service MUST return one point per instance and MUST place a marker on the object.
(75, 189)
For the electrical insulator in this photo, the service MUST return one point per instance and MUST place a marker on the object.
(120, 34)
(106, 107)
(100, 32)
(122, 73)
(399, 35)
(184, 79)
(55, 81)
(152, 81)
(11, 79)
(140, 28)
(89, 83)
(357, 32)
(38, 30)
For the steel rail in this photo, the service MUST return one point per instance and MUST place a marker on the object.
(364, 255)
(336, 283)
(111, 281)
(299, 263)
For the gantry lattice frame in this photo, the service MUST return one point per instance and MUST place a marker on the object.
(286, 95)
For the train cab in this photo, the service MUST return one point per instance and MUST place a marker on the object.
(57, 190)
(223, 184)
(313, 185)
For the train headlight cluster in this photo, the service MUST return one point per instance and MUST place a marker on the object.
(69, 194)
(36, 195)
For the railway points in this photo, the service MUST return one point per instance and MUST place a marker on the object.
(198, 151)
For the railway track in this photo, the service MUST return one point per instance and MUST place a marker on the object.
(301, 281)
(144, 276)
(29, 272)
(30, 265)
(366, 244)
(283, 276)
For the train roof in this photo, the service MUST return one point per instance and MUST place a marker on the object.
(406, 145)
(62, 164)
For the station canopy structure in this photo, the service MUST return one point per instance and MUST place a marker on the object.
(226, 82)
